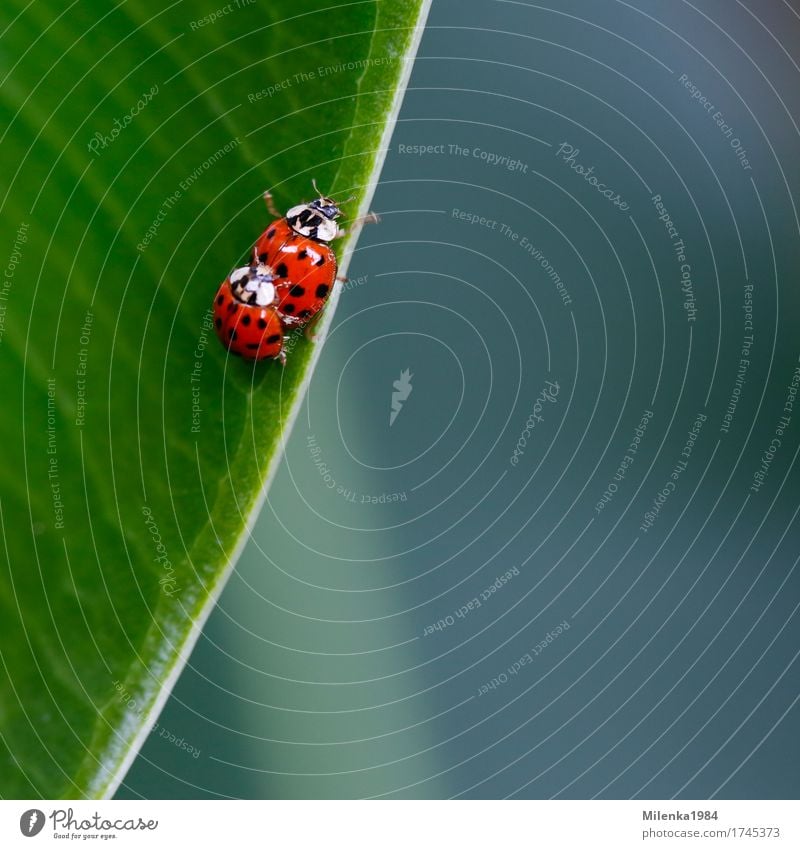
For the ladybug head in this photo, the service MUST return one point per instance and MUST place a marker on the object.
(316, 220)
(327, 207)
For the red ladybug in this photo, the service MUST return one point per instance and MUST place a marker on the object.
(245, 317)
(292, 272)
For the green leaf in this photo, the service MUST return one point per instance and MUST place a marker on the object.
(137, 146)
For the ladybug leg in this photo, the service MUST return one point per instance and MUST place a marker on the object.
(281, 358)
(271, 208)
(308, 330)
(370, 218)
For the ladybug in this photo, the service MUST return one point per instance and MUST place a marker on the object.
(292, 271)
(297, 249)
(245, 317)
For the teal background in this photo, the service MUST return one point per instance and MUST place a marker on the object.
(677, 676)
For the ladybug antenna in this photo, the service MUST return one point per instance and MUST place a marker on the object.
(322, 196)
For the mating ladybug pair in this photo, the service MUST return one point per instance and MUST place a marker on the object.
(291, 274)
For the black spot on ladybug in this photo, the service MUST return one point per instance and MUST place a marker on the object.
(232, 307)
(246, 320)
(304, 313)
(218, 322)
(274, 339)
(322, 290)
(303, 254)
(231, 333)
(288, 308)
(235, 352)
(262, 323)
(320, 261)
(262, 257)
(297, 291)
(282, 270)
(271, 233)
(220, 299)
(253, 346)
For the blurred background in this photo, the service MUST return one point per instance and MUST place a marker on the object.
(519, 545)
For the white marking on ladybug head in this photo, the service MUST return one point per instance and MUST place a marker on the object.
(295, 211)
(315, 220)
(254, 283)
(327, 230)
(236, 276)
(264, 287)
(265, 294)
